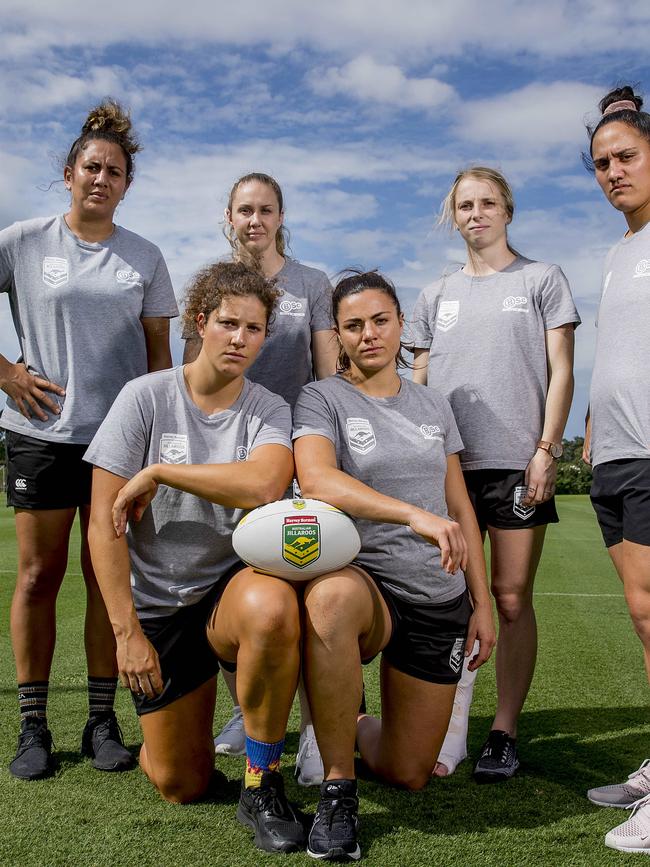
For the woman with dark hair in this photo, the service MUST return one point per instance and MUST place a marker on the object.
(496, 338)
(91, 304)
(300, 348)
(185, 451)
(385, 450)
(617, 442)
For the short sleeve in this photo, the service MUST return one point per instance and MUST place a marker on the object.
(121, 443)
(321, 305)
(276, 424)
(159, 299)
(555, 300)
(422, 322)
(453, 441)
(9, 240)
(313, 416)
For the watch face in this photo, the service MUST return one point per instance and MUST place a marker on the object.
(556, 450)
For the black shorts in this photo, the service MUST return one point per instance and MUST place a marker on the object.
(496, 495)
(187, 659)
(620, 495)
(46, 475)
(427, 641)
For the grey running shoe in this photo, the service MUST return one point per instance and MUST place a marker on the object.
(633, 835)
(309, 765)
(624, 794)
(33, 759)
(231, 740)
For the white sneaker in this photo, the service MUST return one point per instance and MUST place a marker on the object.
(623, 794)
(633, 835)
(454, 746)
(231, 740)
(309, 765)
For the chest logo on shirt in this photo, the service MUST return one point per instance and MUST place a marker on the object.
(361, 436)
(515, 304)
(642, 268)
(523, 512)
(126, 275)
(301, 540)
(242, 453)
(430, 432)
(173, 448)
(447, 315)
(292, 307)
(55, 271)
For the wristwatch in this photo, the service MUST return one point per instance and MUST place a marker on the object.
(555, 450)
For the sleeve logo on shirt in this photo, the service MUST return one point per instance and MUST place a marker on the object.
(361, 436)
(55, 271)
(430, 431)
(173, 448)
(447, 315)
(292, 307)
(242, 453)
(642, 268)
(126, 275)
(523, 512)
(515, 304)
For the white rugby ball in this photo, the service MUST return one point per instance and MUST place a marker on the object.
(296, 539)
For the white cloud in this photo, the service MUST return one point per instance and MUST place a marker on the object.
(369, 81)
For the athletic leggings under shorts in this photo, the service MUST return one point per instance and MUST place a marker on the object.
(427, 641)
(496, 498)
(620, 495)
(187, 659)
(46, 475)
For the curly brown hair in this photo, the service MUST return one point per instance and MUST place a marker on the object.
(222, 280)
(110, 122)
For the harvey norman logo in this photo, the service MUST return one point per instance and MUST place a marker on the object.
(515, 304)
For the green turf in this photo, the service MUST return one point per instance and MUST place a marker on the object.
(585, 724)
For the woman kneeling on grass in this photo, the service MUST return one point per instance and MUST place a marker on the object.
(385, 450)
(199, 444)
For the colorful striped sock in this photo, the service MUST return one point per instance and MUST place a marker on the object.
(261, 757)
(32, 699)
(101, 695)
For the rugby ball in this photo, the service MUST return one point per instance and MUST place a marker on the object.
(296, 539)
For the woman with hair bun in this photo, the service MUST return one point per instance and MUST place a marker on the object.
(91, 304)
(617, 442)
(300, 348)
(496, 337)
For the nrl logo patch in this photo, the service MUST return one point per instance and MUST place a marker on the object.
(55, 271)
(523, 512)
(361, 436)
(173, 448)
(456, 655)
(447, 315)
(430, 431)
(301, 540)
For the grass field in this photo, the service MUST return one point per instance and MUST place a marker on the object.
(585, 724)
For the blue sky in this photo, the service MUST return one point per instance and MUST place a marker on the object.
(363, 110)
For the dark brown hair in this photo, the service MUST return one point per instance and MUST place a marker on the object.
(109, 122)
(638, 120)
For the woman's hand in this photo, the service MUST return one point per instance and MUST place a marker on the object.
(134, 498)
(138, 665)
(481, 628)
(28, 391)
(540, 477)
(446, 535)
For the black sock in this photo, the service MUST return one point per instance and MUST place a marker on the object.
(101, 695)
(32, 699)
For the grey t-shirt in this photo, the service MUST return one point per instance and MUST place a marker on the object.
(285, 361)
(182, 546)
(397, 446)
(620, 395)
(77, 308)
(487, 355)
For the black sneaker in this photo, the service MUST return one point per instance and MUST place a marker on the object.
(102, 741)
(333, 836)
(33, 759)
(278, 826)
(498, 760)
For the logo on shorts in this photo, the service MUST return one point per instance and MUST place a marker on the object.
(173, 448)
(456, 655)
(361, 436)
(20, 484)
(126, 275)
(515, 304)
(642, 268)
(55, 271)
(242, 453)
(301, 540)
(430, 431)
(447, 315)
(523, 512)
(291, 307)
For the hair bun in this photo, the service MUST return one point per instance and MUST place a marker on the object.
(620, 94)
(109, 116)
